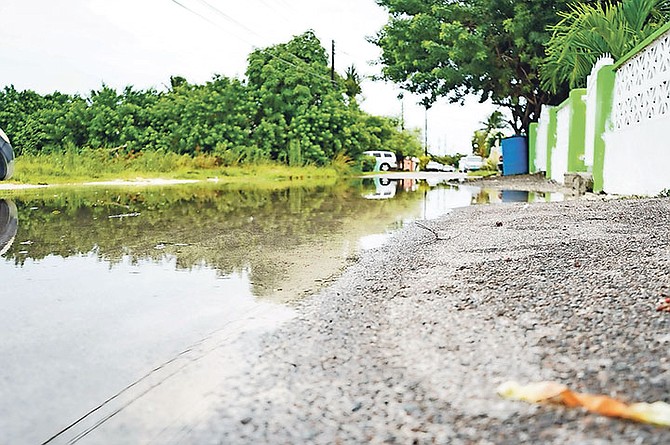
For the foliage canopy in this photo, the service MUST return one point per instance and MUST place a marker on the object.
(589, 30)
(493, 48)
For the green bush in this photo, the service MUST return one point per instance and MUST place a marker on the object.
(367, 163)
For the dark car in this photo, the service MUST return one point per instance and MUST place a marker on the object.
(6, 157)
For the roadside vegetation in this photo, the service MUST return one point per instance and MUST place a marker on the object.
(286, 112)
(98, 165)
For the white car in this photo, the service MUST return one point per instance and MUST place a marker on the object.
(437, 167)
(385, 160)
(470, 162)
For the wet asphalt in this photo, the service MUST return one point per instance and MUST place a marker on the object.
(409, 345)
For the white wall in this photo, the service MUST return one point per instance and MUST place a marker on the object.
(637, 153)
(559, 156)
(540, 160)
(637, 160)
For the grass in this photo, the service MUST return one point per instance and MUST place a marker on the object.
(99, 165)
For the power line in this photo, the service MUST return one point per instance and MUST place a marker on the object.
(278, 11)
(229, 18)
(266, 51)
(207, 19)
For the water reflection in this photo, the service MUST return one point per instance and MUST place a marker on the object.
(103, 286)
(9, 224)
(497, 196)
(384, 189)
(278, 235)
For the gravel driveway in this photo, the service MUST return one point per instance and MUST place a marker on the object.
(411, 343)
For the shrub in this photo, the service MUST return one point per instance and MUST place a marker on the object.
(367, 163)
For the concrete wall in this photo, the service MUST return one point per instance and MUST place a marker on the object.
(559, 152)
(636, 162)
(567, 153)
(539, 160)
(598, 110)
(637, 152)
(532, 147)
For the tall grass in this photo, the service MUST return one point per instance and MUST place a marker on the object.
(99, 165)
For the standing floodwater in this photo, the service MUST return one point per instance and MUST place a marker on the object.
(114, 298)
(8, 224)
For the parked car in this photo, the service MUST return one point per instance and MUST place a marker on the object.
(437, 167)
(470, 162)
(6, 157)
(385, 160)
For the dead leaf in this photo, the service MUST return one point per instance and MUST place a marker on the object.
(657, 413)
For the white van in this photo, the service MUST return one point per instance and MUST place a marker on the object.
(385, 160)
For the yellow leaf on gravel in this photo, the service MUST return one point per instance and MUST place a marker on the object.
(533, 392)
(657, 413)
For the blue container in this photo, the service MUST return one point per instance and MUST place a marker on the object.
(515, 155)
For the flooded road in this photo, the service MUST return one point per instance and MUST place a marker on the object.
(109, 293)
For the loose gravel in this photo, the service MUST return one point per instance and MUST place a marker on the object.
(411, 343)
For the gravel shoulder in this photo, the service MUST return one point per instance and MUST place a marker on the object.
(411, 343)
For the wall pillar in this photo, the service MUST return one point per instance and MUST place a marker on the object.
(604, 93)
(532, 147)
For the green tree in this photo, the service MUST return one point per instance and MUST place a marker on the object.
(448, 159)
(493, 48)
(587, 31)
(297, 103)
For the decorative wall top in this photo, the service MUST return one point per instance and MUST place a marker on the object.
(604, 60)
(642, 86)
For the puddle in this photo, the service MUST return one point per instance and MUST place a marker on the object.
(102, 287)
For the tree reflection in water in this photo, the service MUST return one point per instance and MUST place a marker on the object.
(287, 239)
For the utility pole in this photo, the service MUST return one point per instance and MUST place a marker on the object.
(332, 63)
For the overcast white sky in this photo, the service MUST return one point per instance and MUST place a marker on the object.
(74, 46)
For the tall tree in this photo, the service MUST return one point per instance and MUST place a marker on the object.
(298, 105)
(587, 31)
(452, 48)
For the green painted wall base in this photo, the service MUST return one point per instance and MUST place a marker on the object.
(604, 95)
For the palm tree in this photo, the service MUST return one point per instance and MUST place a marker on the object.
(490, 132)
(590, 30)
